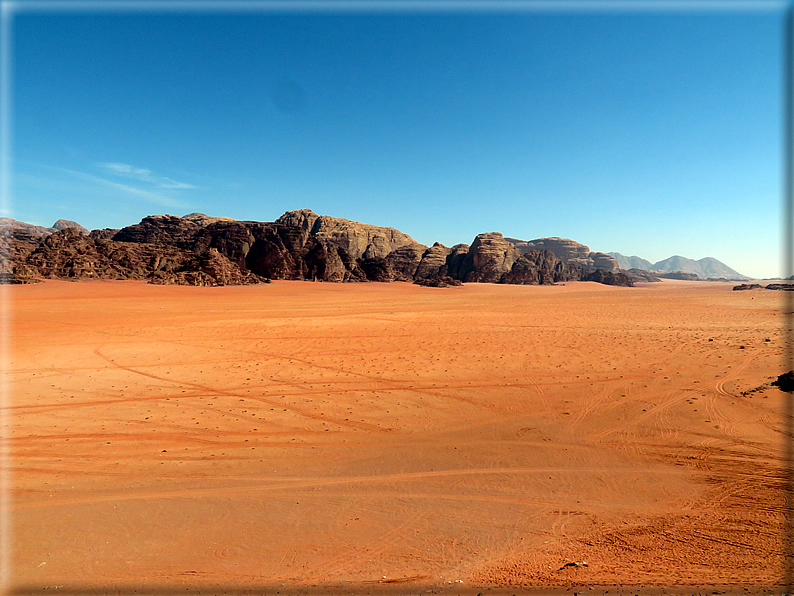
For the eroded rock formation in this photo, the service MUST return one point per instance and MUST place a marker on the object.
(359, 240)
(569, 251)
(300, 245)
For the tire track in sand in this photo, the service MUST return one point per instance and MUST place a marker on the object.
(299, 411)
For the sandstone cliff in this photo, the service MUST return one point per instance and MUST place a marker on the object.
(569, 251)
(359, 240)
(490, 256)
(300, 245)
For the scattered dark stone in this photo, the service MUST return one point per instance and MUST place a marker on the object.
(760, 388)
(574, 564)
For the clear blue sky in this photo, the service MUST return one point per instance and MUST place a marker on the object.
(648, 132)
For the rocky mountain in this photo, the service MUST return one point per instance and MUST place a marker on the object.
(705, 268)
(569, 251)
(7, 223)
(631, 262)
(300, 245)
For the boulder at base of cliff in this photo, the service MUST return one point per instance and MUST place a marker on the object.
(679, 275)
(610, 278)
(642, 275)
(438, 281)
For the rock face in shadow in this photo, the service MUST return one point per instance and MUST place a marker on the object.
(456, 261)
(540, 267)
(377, 269)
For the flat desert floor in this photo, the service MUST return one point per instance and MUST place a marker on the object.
(355, 438)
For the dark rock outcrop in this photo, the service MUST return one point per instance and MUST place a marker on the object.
(68, 254)
(679, 275)
(438, 281)
(610, 278)
(747, 287)
(201, 250)
(569, 251)
(103, 234)
(161, 229)
(377, 269)
(456, 261)
(642, 275)
(16, 244)
(783, 287)
(785, 382)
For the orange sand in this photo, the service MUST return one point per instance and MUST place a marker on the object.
(361, 436)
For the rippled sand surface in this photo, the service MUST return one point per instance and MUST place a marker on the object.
(391, 438)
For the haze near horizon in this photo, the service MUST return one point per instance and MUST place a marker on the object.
(645, 132)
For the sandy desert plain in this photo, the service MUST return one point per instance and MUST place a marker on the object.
(306, 438)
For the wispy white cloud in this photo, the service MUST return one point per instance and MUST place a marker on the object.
(143, 175)
(151, 197)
